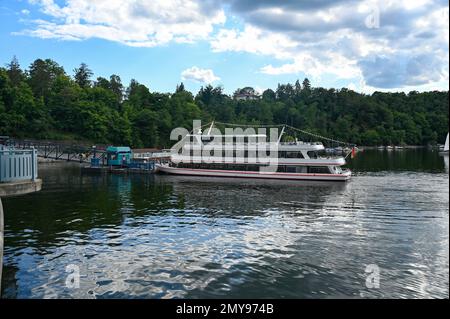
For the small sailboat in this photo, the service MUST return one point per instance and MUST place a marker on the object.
(443, 149)
(446, 144)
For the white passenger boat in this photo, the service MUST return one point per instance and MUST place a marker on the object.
(241, 157)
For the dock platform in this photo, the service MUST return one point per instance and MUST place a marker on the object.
(116, 170)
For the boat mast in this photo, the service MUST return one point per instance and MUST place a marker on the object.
(281, 134)
(210, 128)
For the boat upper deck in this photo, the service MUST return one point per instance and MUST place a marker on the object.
(247, 142)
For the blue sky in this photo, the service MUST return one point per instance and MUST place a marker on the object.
(365, 45)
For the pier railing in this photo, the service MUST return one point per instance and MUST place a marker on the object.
(17, 164)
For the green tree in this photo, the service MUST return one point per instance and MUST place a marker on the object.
(83, 75)
(42, 74)
(15, 73)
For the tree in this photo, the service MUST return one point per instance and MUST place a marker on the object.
(306, 85)
(83, 75)
(103, 83)
(180, 88)
(269, 95)
(44, 102)
(115, 85)
(14, 71)
(131, 88)
(42, 74)
(297, 87)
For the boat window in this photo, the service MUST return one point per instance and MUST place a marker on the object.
(312, 154)
(294, 155)
(281, 169)
(301, 169)
(319, 170)
(291, 169)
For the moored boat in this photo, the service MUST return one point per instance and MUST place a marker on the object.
(245, 156)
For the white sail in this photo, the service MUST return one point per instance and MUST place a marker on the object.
(446, 144)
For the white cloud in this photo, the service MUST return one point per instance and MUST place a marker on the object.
(304, 58)
(143, 23)
(253, 40)
(199, 75)
(25, 12)
(319, 38)
(332, 38)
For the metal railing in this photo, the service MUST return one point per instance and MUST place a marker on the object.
(17, 164)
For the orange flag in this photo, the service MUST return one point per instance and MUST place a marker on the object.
(353, 152)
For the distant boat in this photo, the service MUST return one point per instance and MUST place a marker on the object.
(445, 149)
(389, 148)
(381, 147)
(399, 147)
(446, 144)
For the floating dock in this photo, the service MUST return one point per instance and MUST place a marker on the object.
(117, 170)
(123, 160)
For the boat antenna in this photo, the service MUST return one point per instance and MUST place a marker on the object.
(281, 134)
(210, 128)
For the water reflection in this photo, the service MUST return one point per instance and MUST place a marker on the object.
(412, 160)
(446, 162)
(168, 236)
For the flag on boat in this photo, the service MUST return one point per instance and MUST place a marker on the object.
(353, 152)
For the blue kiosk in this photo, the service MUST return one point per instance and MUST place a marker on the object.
(118, 156)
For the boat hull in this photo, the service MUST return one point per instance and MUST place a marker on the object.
(245, 174)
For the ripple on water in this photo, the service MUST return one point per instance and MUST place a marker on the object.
(164, 237)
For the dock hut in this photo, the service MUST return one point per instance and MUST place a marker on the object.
(118, 155)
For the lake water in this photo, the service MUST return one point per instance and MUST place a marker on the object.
(184, 237)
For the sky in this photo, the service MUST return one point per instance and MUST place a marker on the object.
(364, 45)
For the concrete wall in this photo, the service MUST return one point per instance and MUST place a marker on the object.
(20, 188)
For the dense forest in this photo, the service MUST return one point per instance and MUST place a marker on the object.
(44, 102)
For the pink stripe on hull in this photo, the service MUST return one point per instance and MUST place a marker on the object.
(225, 173)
